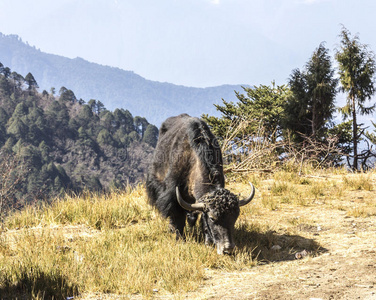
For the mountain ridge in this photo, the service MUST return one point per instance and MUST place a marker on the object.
(115, 87)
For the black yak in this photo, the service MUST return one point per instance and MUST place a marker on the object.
(186, 177)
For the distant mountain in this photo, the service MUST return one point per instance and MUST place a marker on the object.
(114, 87)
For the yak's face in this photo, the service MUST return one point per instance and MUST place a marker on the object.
(220, 210)
(218, 219)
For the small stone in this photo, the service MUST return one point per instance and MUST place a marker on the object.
(302, 254)
(276, 248)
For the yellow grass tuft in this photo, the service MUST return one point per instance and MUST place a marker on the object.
(358, 182)
(96, 210)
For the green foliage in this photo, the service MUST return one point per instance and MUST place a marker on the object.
(31, 82)
(372, 135)
(310, 107)
(261, 104)
(105, 138)
(357, 67)
(66, 145)
(17, 128)
(151, 135)
(67, 95)
(343, 133)
(289, 123)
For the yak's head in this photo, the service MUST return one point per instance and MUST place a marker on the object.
(220, 210)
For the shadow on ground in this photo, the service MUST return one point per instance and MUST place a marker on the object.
(271, 246)
(36, 284)
(268, 246)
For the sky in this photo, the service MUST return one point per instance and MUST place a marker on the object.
(198, 43)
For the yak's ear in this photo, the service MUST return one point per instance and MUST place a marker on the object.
(186, 205)
(247, 200)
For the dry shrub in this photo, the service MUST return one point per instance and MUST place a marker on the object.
(359, 182)
(245, 153)
(362, 212)
(268, 201)
(264, 151)
(313, 152)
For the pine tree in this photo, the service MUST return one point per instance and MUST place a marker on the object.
(356, 70)
(151, 135)
(261, 104)
(17, 128)
(67, 96)
(310, 107)
(31, 82)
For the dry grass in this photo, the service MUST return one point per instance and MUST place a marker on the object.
(110, 244)
(359, 182)
(117, 244)
(127, 251)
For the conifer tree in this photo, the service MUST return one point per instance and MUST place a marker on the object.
(310, 107)
(31, 82)
(151, 135)
(356, 70)
(260, 104)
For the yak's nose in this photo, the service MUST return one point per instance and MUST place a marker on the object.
(227, 249)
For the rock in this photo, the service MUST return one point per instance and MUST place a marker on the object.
(302, 254)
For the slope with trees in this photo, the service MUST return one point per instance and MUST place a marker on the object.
(60, 143)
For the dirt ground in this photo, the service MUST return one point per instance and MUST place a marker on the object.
(346, 269)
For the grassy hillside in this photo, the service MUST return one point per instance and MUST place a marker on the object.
(116, 244)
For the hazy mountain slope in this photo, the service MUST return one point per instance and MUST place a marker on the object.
(116, 88)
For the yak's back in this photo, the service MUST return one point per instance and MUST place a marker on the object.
(183, 137)
(184, 130)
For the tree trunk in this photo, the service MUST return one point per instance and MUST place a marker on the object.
(314, 125)
(355, 135)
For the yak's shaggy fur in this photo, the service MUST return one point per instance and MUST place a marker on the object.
(222, 201)
(185, 145)
(188, 158)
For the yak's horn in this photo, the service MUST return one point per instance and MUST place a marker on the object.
(246, 201)
(186, 205)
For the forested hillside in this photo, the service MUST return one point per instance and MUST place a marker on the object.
(52, 143)
(116, 88)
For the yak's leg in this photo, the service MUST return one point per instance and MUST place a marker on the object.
(207, 232)
(192, 218)
(177, 224)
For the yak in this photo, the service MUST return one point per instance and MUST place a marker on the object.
(185, 178)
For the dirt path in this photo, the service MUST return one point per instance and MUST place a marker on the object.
(347, 270)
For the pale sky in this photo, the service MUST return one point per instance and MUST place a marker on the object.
(197, 43)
